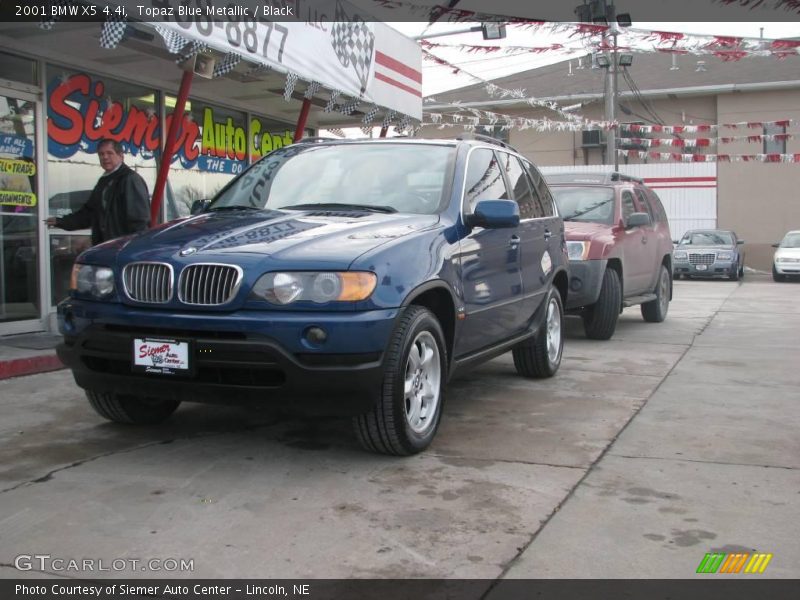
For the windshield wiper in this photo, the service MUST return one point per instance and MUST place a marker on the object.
(337, 205)
(580, 213)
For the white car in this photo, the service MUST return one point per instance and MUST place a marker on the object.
(786, 262)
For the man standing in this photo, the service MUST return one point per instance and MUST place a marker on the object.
(118, 205)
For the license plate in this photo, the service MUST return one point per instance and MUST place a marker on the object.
(161, 356)
(701, 267)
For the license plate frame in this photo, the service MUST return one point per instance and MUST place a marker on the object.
(701, 267)
(162, 356)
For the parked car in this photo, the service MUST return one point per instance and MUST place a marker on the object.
(620, 249)
(709, 253)
(350, 277)
(786, 261)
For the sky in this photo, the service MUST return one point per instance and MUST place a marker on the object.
(437, 78)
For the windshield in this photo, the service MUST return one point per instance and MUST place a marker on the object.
(792, 240)
(707, 238)
(589, 204)
(410, 178)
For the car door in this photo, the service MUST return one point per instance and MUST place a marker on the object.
(636, 269)
(650, 246)
(489, 262)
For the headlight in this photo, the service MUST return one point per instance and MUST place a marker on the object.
(724, 255)
(680, 255)
(317, 287)
(92, 280)
(578, 250)
(786, 259)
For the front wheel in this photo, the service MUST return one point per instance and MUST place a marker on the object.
(406, 415)
(540, 356)
(777, 276)
(130, 409)
(600, 319)
(655, 311)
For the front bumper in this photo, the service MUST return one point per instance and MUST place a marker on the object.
(241, 357)
(585, 280)
(783, 268)
(718, 268)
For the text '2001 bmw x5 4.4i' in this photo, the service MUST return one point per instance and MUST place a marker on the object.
(347, 277)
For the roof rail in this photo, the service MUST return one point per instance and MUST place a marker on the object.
(485, 138)
(617, 176)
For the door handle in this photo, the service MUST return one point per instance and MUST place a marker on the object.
(514, 241)
(547, 234)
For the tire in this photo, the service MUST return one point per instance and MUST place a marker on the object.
(777, 276)
(655, 311)
(540, 356)
(130, 409)
(741, 271)
(406, 415)
(600, 319)
(734, 276)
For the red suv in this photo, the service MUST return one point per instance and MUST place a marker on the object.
(620, 248)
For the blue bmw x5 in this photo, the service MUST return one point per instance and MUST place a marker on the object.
(348, 277)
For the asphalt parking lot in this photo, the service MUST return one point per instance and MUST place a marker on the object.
(644, 453)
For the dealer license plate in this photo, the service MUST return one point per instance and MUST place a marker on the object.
(701, 267)
(161, 356)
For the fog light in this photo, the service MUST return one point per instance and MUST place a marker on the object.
(575, 284)
(316, 335)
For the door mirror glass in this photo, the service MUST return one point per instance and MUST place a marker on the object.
(494, 214)
(637, 220)
(198, 206)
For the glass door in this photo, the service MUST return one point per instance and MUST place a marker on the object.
(20, 289)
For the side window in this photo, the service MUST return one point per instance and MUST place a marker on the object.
(644, 206)
(484, 179)
(657, 206)
(529, 207)
(628, 207)
(539, 184)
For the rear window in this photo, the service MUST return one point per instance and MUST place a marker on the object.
(587, 204)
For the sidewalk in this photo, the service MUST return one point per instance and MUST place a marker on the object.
(28, 354)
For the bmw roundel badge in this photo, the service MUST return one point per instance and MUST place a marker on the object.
(188, 251)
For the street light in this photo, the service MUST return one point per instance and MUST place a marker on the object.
(490, 31)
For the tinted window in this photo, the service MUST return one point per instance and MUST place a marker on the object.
(484, 179)
(655, 204)
(542, 190)
(628, 208)
(529, 207)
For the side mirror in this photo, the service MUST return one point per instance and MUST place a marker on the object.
(739, 242)
(637, 220)
(676, 242)
(775, 245)
(494, 214)
(198, 206)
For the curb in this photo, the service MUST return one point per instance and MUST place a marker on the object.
(29, 366)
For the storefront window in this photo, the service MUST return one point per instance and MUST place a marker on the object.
(83, 109)
(16, 68)
(19, 236)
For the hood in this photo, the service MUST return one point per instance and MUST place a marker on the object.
(327, 237)
(787, 253)
(696, 248)
(578, 231)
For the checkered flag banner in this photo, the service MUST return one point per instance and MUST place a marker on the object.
(193, 48)
(174, 41)
(312, 89)
(257, 69)
(350, 107)
(405, 121)
(332, 101)
(113, 31)
(388, 118)
(227, 64)
(370, 115)
(49, 19)
(291, 81)
(353, 42)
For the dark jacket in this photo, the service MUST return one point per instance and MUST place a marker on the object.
(118, 205)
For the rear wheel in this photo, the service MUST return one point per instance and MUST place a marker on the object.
(408, 410)
(655, 311)
(600, 319)
(540, 356)
(130, 409)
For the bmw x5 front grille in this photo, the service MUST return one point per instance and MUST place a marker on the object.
(209, 284)
(149, 282)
